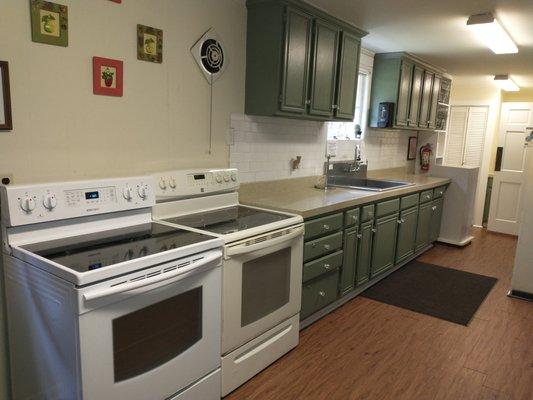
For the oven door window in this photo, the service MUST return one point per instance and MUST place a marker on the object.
(265, 285)
(149, 337)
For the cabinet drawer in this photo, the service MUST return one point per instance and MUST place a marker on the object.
(367, 213)
(323, 265)
(319, 247)
(409, 201)
(387, 207)
(439, 192)
(319, 293)
(351, 217)
(322, 226)
(426, 196)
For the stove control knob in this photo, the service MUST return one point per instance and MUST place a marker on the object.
(172, 183)
(234, 177)
(162, 184)
(27, 204)
(141, 191)
(50, 201)
(127, 193)
(219, 178)
(226, 177)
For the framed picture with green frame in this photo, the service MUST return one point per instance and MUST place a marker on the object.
(49, 23)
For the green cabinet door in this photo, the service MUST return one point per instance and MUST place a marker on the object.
(423, 226)
(296, 62)
(364, 253)
(416, 94)
(404, 93)
(425, 103)
(434, 102)
(436, 216)
(406, 234)
(347, 76)
(384, 244)
(349, 264)
(324, 68)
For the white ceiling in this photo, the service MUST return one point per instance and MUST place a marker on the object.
(436, 31)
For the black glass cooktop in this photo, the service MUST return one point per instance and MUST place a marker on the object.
(99, 250)
(228, 220)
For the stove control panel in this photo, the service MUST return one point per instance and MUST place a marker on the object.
(190, 183)
(29, 204)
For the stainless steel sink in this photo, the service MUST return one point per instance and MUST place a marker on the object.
(374, 185)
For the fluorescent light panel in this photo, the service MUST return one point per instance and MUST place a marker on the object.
(492, 33)
(506, 83)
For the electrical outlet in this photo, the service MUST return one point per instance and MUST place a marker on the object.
(6, 178)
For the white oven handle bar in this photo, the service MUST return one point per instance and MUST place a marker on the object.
(126, 287)
(243, 248)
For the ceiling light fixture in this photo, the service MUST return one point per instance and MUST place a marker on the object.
(506, 83)
(492, 33)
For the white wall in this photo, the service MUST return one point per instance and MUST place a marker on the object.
(63, 131)
(463, 93)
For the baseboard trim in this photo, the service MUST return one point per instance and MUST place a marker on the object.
(462, 243)
(357, 291)
(517, 294)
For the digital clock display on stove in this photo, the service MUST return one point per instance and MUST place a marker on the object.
(91, 195)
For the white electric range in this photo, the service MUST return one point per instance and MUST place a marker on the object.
(262, 272)
(104, 303)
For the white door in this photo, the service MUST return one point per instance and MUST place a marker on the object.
(522, 282)
(504, 215)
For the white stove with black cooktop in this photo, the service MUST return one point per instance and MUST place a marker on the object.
(104, 303)
(262, 272)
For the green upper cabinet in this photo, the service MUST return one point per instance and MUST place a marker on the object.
(348, 75)
(432, 123)
(300, 62)
(410, 85)
(416, 92)
(324, 68)
(404, 93)
(297, 53)
(425, 104)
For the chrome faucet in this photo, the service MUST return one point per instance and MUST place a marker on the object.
(357, 162)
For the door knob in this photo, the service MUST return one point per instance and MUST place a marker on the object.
(322, 293)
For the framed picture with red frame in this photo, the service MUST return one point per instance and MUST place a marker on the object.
(108, 77)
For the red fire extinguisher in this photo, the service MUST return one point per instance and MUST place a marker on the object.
(425, 157)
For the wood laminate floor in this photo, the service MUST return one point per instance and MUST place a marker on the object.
(373, 351)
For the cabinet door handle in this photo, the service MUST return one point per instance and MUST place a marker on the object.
(359, 236)
(327, 267)
(307, 102)
(326, 227)
(403, 220)
(313, 245)
(327, 247)
(434, 208)
(374, 230)
(354, 218)
(322, 293)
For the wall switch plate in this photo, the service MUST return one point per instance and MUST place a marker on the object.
(6, 178)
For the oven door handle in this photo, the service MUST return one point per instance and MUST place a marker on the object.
(126, 287)
(243, 248)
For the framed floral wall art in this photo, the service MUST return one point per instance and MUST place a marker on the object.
(49, 23)
(6, 123)
(108, 77)
(149, 44)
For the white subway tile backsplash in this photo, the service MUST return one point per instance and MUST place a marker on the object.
(264, 146)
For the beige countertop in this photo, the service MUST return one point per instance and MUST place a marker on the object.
(299, 195)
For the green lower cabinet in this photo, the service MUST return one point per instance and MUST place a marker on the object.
(384, 244)
(407, 224)
(364, 253)
(436, 216)
(349, 264)
(423, 226)
(319, 293)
